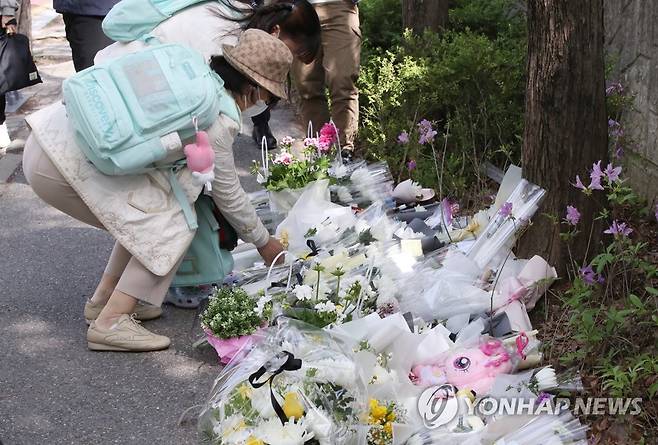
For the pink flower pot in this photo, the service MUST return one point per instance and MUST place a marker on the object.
(227, 348)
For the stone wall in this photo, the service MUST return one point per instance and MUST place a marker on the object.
(632, 43)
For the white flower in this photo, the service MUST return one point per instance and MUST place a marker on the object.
(232, 430)
(337, 371)
(546, 378)
(303, 292)
(383, 376)
(292, 433)
(326, 306)
(287, 140)
(338, 170)
(260, 305)
(319, 423)
(262, 402)
(387, 290)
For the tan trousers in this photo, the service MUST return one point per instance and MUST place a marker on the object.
(336, 68)
(49, 184)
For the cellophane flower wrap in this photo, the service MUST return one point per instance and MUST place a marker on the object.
(319, 400)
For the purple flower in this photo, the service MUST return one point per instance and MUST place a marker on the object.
(505, 210)
(590, 277)
(614, 128)
(619, 151)
(596, 171)
(579, 184)
(541, 397)
(411, 165)
(427, 133)
(613, 88)
(656, 213)
(619, 229)
(612, 173)
(403, 138)
(573, 215)
(596, 183)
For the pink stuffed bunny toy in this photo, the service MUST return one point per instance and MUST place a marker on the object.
(472, 368)
(201, 159)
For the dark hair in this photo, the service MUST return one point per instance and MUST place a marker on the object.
(297, 20)
(234, 80)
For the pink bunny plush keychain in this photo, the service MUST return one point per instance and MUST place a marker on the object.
(201, 158)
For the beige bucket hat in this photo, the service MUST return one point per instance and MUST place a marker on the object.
(263, 58)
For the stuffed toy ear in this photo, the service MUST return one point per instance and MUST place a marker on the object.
(200, 155)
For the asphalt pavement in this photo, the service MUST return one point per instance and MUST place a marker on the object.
(52, 389)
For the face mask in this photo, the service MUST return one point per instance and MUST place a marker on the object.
(259, 107)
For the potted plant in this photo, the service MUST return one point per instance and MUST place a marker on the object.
(231, 320)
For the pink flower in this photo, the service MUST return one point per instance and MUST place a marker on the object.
(619, 229)
(310, 142)
(287, 140)
(329, 133)
(411, 165)
(403, 138)
(612, 173)
(446, 209)
(656, 213)
(505, 210)
(283, 158)
(324, 144)
(579, 184)
(573, 215)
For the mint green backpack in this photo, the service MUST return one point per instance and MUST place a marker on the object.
(128, 114)
(129, 20)
(205, 262)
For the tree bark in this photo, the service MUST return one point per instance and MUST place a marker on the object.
(419, 15)
(565, 120)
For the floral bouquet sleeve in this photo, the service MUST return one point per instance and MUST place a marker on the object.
(296, 386)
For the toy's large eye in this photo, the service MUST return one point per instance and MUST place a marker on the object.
(462, 363)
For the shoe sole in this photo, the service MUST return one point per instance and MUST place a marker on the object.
(103, 347)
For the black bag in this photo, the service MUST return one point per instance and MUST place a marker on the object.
(17, 68)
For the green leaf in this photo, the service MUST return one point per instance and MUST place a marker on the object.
(635, 300)
(652, 290)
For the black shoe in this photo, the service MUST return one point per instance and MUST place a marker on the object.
(264, 130)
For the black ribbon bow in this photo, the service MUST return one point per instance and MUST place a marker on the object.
(290, 364)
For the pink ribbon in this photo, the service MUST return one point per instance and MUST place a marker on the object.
(522, 342)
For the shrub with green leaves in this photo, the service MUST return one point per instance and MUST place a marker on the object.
(470, 86)
(231, 313)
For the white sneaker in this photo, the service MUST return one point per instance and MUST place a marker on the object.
(4, 137)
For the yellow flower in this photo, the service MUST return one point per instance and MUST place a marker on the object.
(251, 440)
(292, 406)
(244, 391)
(285, 238)
(391, 417)
(376, 410)
(388, 428)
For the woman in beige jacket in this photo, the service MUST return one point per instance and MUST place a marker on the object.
(140, 211)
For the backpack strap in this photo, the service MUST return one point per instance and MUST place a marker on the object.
(180, 196)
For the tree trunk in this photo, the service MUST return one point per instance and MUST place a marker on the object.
(419, 15)
(565, 120)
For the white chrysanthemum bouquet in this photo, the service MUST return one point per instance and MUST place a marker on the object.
(296, 386)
